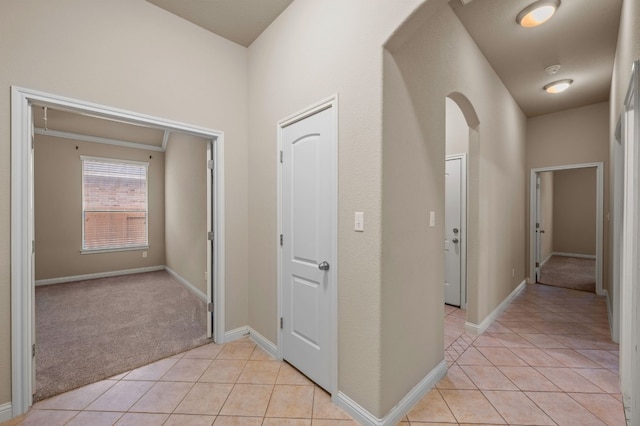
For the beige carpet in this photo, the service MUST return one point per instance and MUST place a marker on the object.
(569, 272)
(89, 330)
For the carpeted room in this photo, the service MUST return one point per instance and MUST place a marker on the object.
(567, 233)
(105, 311)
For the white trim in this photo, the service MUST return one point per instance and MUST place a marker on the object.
(219, 254)
(186, 283)
(237, 334)
(364, 417)
(22, 221)
(5, 412)
(609, 312)
(72, 278)
(263, 342)
(546, 259)
(464, 225)
(478, 329)
(96, 139)
(330, 102)
(581, 256)
(533, 205)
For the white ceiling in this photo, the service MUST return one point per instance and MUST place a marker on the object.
(240, 21)
(581, 37)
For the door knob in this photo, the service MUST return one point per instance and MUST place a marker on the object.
(324, 266)
(455, 241)
(456, 230)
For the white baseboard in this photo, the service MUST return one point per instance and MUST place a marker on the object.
(583, 256)
(263, 342)
(186, 283)
(478, 329)
(546, 259)
(236, 334)
(364, 417)
(98, 275)
(6, 413)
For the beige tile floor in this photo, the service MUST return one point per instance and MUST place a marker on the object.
(547, 360)
(222, 385)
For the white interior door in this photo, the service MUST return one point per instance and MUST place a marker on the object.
(308, 227)
(453, 232)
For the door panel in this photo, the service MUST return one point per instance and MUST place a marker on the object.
(308, 193)
(452, 242)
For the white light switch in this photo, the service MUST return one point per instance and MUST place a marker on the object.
(432, 219)
(359, 222)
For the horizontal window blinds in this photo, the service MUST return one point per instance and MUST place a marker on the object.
(114, 209)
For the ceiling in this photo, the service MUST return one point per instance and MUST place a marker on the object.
(581, 37)
(240, 21)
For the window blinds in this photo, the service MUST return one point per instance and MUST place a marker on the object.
(114, 204)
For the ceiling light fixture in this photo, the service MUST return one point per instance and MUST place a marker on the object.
(537, 13)
(558, 86)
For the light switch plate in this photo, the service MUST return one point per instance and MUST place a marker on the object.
(432, 219)
(358, 224)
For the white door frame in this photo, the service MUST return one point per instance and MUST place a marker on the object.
(463, 222)
(22, 223)
(533, 207)
(330, 102)
(630, 251)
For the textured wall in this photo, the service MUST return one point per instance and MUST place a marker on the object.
(186, 208)
(58, 209)
(127, 54)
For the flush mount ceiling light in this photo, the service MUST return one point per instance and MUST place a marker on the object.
(537, 13)
(558, 86)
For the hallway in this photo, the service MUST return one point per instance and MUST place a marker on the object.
(547, 360)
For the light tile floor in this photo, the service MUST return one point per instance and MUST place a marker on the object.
(547, 360)
(222, 385)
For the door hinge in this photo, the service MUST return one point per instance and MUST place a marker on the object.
(33, 246)
(281, 156)
(33, 350)
(281, 322)
(210, 164)
(210, 307)
(281, 239)
(210, 235)
(537, 226)
(537, 264)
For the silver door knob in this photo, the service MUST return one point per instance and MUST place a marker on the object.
(324, 266)
(456, 230)
(455, 241)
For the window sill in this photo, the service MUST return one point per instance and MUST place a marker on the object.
(98, 251)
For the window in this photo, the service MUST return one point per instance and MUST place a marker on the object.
(114, 204)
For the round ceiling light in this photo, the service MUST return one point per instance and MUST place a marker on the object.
(537, 13)
(558, 86)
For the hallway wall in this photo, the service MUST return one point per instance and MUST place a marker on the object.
(428, 59)
(578, 135)
(133, 55)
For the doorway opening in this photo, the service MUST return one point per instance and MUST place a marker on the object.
(566, 232)
(23, 222)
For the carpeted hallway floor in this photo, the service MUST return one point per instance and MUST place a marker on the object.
(569, 272)
(89, 330)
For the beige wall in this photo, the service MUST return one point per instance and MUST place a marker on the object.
(186, 208)
(431, 57)
(578, 135)
(546, 211)
(132, 55)
(457, 130)
(574, 211)
(315, 49)
(58, 209)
